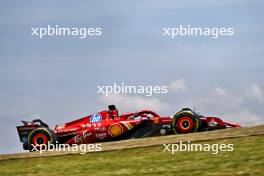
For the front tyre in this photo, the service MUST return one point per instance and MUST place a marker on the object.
(186, 121)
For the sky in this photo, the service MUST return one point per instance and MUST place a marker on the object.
(56, 78)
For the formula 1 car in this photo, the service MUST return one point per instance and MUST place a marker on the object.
(108, 125)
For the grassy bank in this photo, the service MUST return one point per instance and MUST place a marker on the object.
(246, 159)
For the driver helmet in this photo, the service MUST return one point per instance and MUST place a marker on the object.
(113, 112)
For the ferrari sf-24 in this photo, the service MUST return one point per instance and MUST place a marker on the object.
(108, 125)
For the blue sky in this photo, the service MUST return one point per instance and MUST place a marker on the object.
(56, 78)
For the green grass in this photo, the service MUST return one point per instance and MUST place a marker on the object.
(246, 159)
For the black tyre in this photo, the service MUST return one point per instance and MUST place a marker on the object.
(186, 121)
(40, 137)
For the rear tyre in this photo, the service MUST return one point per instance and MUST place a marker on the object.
(186, 121)
(40, 138)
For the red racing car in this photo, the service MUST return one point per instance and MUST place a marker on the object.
(108, 125)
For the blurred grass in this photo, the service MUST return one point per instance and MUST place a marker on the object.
(246, 159)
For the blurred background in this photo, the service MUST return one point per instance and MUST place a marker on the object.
(56, 78)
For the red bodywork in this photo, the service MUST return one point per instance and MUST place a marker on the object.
(109, 126)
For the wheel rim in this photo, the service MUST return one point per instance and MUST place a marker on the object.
(185, 124)
(39, 139)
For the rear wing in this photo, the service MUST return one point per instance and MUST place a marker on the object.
(27, 127)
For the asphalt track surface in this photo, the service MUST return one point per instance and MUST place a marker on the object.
(152, 141)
